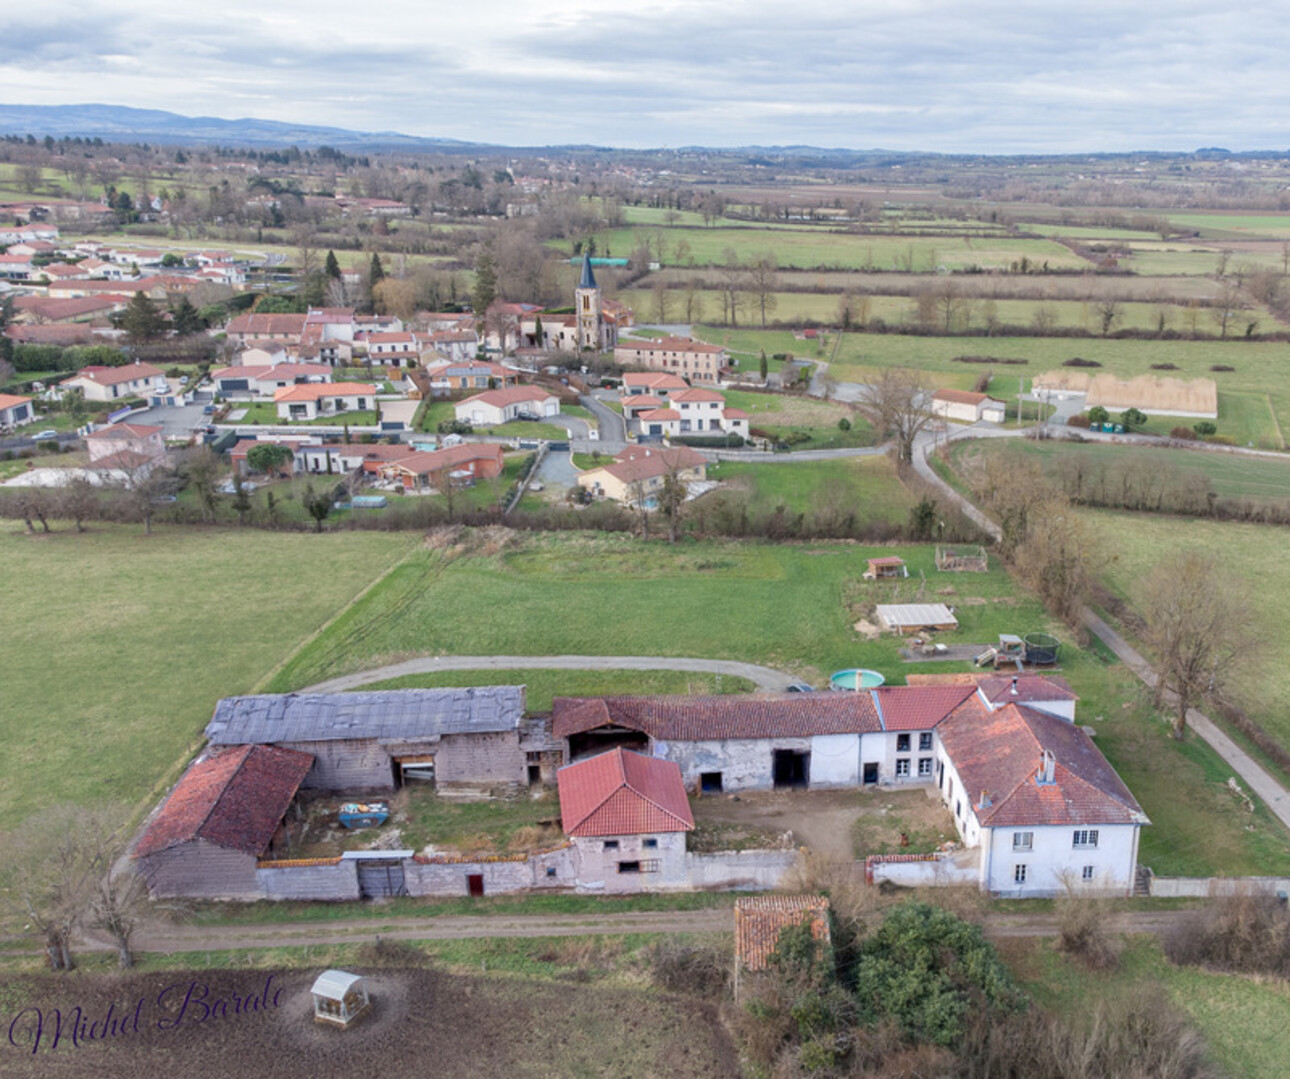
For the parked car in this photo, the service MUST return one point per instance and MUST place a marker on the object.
(41, 436)
(800, 687)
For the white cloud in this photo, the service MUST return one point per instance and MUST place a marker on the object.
(989, 76)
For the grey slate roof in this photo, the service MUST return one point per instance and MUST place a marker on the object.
(387, 715)
(588, 275)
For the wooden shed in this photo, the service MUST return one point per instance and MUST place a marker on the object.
(886, 566)
(339, 997)
(912, 617)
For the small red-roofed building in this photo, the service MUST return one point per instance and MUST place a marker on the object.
(114, 383)
(223, 815)
(968, 407)
(627, 815)
(638, 473)
(760, 919)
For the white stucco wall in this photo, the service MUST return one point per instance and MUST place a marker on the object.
(835, 760)
(596, 868)
(1053, 862)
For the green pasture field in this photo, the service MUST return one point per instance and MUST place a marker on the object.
(1253, 556)
(807, 247)
(780, 414)
(1242, 1018)
(1083, 233)
(1166, 259)
(825, 307)
(118, 645)
(788, 606)
(1259, 374)
(866, 485)
(1273, 226)
(266, 412)
(1262, 479)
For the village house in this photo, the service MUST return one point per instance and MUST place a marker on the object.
(655, 384)
(688, 411)
(258, 381)
(627, 815)
(136, 379)
(311, 400)
(694, 360)
(395, 349)
(460, 346)
(638, 473)
(15, 411)
(256, 329)
(493, 407)
(440, 377)
(42, 309)
(1035, 803)
(424, 471)
(15, 267)
(968, 407)
(125, 452)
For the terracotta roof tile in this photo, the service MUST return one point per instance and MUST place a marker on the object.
(759, 920)
(906, 708)
(233, 798)
(623, 793)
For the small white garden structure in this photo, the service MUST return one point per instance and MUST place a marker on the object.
(339, 997)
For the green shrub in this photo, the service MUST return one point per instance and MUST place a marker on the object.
(1205, 427)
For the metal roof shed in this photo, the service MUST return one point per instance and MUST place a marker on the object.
(339, 997)
(911, 617)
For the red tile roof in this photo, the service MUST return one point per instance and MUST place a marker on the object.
(233, 798)
(313, 391)
(111, 376)
(698, 393)
(998, 756)
(998, 688)
(661, 414)
(705, 718)
(512, 395)
(264, 325)
(126, 430)
(904, 708)
(962, 397)
(623, 793)
(658, 380)
(759, 920)
(8, 400)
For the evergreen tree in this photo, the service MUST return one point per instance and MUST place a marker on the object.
(377, 272)
(141, 320)
(331, 267)
(185, 318)
(485, 291)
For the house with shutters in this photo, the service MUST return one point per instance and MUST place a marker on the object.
(691, 359)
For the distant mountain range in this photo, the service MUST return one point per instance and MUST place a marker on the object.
(116, 123)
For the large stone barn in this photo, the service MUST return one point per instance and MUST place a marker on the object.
(376, 740)
(225, 813)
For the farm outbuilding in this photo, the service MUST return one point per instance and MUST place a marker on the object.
(760, 919)
(379, 739)
(962, 559)
(339, 997)
(886, 566)
(912, 617)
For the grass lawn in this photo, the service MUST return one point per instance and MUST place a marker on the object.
(1232, 476)
(867, 485)
(442, 412)
(1244, 392)
(1243, 1019)
(267, 412)
(789, 606)
(780, 416)
(1253, 555)
(119, 645)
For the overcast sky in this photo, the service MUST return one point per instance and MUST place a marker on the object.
(989, 76)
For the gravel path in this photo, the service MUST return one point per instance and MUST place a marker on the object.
(763, 677)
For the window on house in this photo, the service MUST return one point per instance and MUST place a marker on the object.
(550, 871)
(1023, 840)
(924, 766)
(1085, 837)
(925, 740)
(1087, 875)
(611, 844)
(902, 766)
(629, 867)
(958, 809)
(650, 844)
(1019, 873)
(902, 743)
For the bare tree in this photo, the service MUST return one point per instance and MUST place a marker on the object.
(147, 485)
(79, 501)
(671, 500)
(1108, 313)
(203, 469)
(895, 402)
(763, 280)
(1225, 305)
(1197, 623)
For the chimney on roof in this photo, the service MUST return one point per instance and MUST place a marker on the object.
(1047, 766)
(1014, 685)
(986, 801)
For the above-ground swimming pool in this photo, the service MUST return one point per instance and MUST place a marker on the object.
(856, 678)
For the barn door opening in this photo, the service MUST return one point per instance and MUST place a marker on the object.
(792, 769)
(870, 772)
(475, 885)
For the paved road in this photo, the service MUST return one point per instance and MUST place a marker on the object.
(165, 937)
(763, 677)
(1273, 793)
(612, 426)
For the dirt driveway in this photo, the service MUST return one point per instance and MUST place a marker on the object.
(838, 824)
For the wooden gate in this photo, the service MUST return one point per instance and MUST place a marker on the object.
(378, 879)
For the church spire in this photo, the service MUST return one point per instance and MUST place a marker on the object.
(588, 278)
